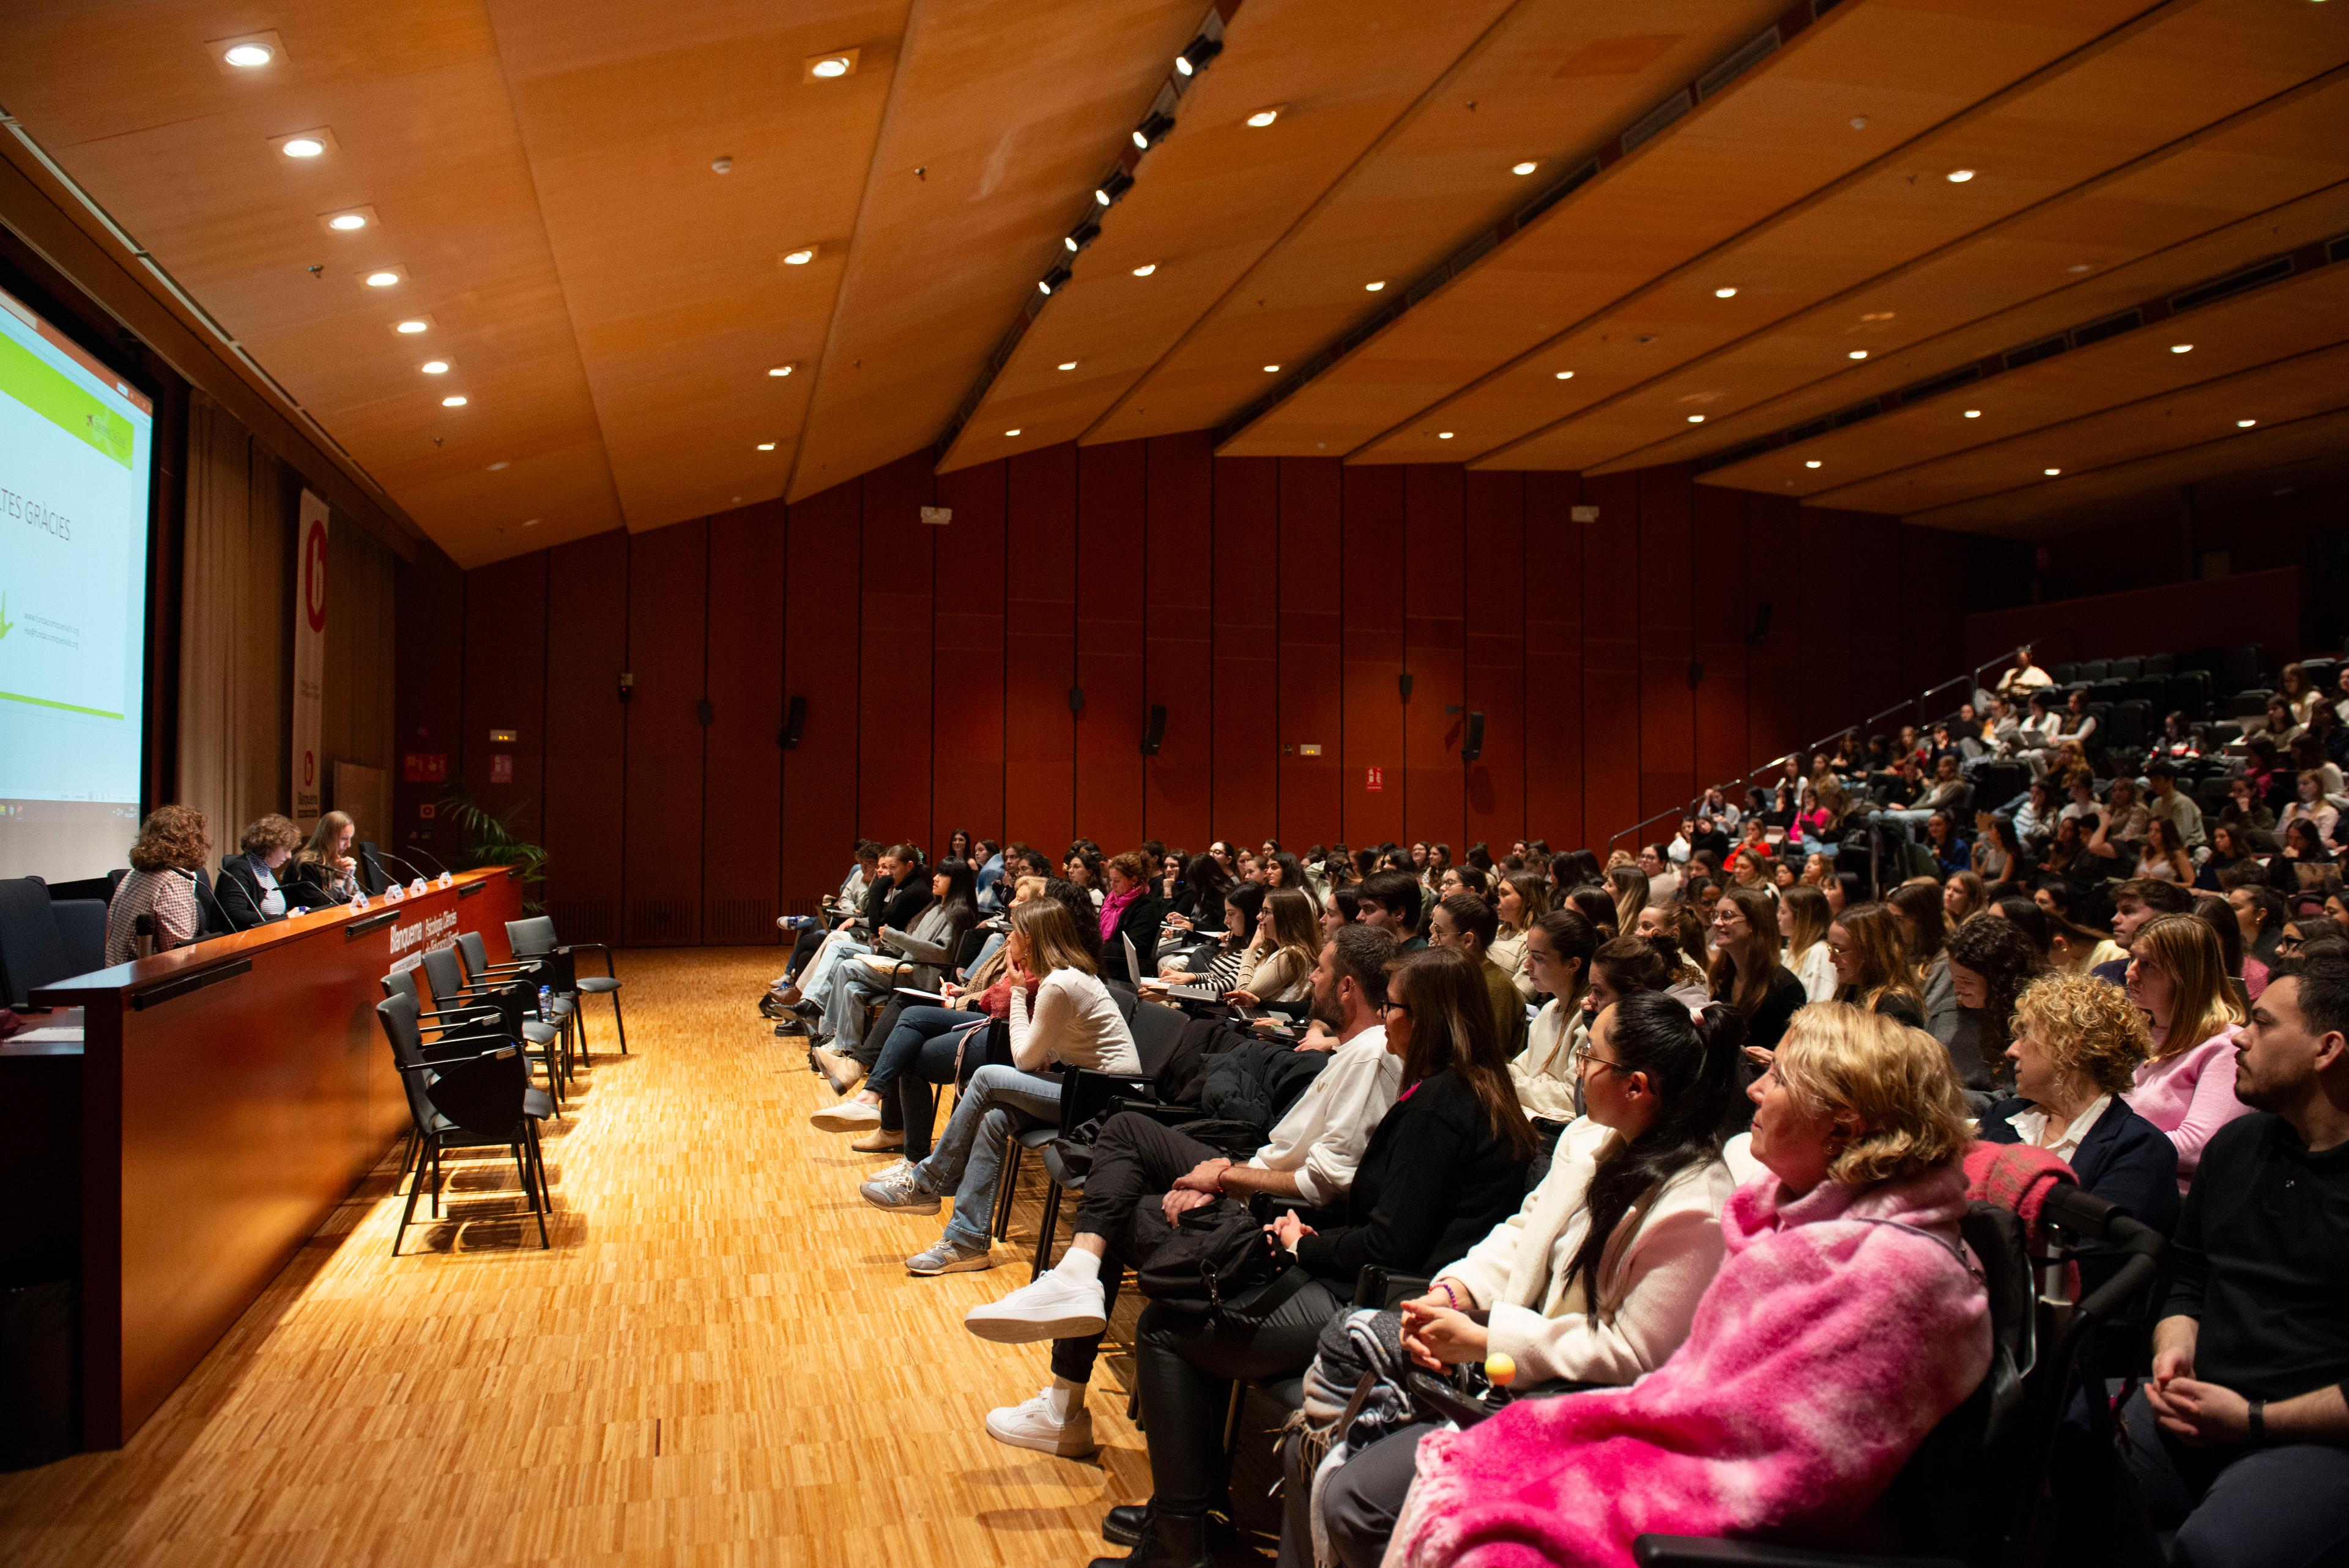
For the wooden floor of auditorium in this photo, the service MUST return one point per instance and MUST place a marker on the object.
(721, 1359)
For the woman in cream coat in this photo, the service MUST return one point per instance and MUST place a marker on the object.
(1558, 964)
(1596, 1279)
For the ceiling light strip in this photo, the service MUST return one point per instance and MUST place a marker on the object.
(2262, 273)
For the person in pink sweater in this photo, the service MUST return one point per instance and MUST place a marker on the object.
(1847, 1321)
(2177, 975)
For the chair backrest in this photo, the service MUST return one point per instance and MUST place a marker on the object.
(444, 974)
(2127, 668)
(1125, 996)
(474, 951)
(402, 982)
(2065, 673)
(2094, 668)
(2160, 663)
(373, 878)
(531, 937)
(398, 1015)
(1158, 1031)
(484, 1094)
(32, 949)
(81, 926)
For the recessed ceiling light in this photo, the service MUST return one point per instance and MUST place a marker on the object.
(831, 65)
(1565, 375)
(411, 326)
(454, 400)
(1012, 431)
(1145, 269)
(1374, 287)
(1856, 354)
(2181, 348)
(1444, 435)
(1959, 176)
(302, 147)
(800, 257)
(2079, 267)
(766, 446)
(1724, 294)
(1973, 413)
(500, 465)
(434, 367)
(1272, 370)
(2051, 473)
(347, 222)
(1878, 316)
(2245, 425)
(1696, 418)
(1265, 117)
(782, 369)
(1860, 122)
(1068, 364)
(1527, 167)
(383, 279)
(530, 521)
(1810, 463)
(249, 57)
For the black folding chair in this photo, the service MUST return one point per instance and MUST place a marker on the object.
(480, 1098)
(535, 936)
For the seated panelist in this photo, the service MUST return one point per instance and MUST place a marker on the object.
(250, 895)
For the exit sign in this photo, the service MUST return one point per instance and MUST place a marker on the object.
(1374, 779)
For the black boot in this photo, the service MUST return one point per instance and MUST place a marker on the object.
(1123, 1526)
(1171, 1541)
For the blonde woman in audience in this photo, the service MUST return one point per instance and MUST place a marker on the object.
(1803, 920)
(1871, 964)
(1520, 900)
(323, 872)
(1965, 893)
(2311, 806)
(2177, 975)
(1558, 952)
(1279, 963)
(174, 844)
(1627, 885)
(2293, 689)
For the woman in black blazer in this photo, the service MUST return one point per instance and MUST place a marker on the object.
(2077, 1043)
(1131, 909)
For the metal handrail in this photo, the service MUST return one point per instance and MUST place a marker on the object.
(1971, 678)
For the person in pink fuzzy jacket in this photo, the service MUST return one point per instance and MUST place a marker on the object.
(1848, 1319)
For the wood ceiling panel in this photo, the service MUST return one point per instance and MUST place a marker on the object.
(1213, 197)
(2284, 456)
(2123, 99)
(1553, 82)
(2269, 179)
(1926, 454)
(423, 133)
(1776, 135)
(672, 271)
(1012, 140)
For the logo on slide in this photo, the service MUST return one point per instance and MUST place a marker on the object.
(110, 433)
(7, 625)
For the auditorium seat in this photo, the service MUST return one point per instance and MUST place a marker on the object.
(2095, 669)
(2237, 667)
(2126, 668)
(42, 940)
(2065, 673)
(2160, 663)
(2187, 691)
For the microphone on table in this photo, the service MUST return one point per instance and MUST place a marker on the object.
(435, 860)
(228, 925)
(404, 860)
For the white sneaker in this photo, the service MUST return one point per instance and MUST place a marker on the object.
(1033, 1425)
(1052, 1306)
(847, 1115)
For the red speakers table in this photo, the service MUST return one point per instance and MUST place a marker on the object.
(232, 1093)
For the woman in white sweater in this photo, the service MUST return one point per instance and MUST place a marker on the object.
(1558, 947)
(1073, 1023)
(1596, 1279)
(1803, 920)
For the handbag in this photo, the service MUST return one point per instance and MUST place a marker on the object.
(1220, 1257)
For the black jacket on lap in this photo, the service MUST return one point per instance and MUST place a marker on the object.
(1257, 1082)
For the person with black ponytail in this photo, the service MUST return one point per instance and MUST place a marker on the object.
(1596, 1278)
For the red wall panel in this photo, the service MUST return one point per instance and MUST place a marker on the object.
(505, 689)
(966, 757)
(1371, 546)
(1668, 587)
(1612, 705)
(429, 699)
(1112, 481)
(1248, 652)
(1435, 595)
(1314, 789)
(586, 755)
(1178, 669)
(1774, 575)
(1717, 535)
(1039, 801)
(1555, 753)
(821, 625)
(1875, 607)
(742, 785)
(1493, 646)
(893, 760)
(669, 579)
(1826, 698)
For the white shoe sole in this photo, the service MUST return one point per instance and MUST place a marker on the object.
(1061, 1447)
(973, 1264)
(844, 1118)
(1036, 1329)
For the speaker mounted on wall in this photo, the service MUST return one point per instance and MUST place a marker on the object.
(794, 721)
(1761, 627)
(1155, 735)
(1472, 738)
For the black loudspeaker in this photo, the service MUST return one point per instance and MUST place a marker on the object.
(1696, 673)
(1403, 681)
(1077, 701)
(1761, 628)
(1155, 735)
(1471, 742)
(794, 721)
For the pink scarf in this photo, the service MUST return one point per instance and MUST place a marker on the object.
(1113, 907)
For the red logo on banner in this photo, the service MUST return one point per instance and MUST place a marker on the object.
(424, 767)
(1374, 779)
(314, 574)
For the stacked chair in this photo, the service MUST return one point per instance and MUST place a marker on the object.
(534, 938)
(468, 1088)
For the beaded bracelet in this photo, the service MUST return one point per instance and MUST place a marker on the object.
(1450, 1294)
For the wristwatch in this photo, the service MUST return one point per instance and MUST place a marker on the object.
(2259, 1424)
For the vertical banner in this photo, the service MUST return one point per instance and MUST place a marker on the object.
(309, 659)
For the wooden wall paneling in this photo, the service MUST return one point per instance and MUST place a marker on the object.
(1247, 686)
(1039, 800)
(1552, 659)
(1878, 604)
(1825, 701)
(668, 582)
(742, 784)
(1112, 481)
(1493, 651)
(1178, 645)
(1669, 584)
(894, 716)
(505, 689)
(822, 625)
(586, 751)
(1314, 789)
(1774, 573)
(1371, 524)
(966, 760)
(428, 699)
(1718, 549)
(1611, 719)
(1435, 598)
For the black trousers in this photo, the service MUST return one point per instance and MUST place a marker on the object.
(1188, 1362)
(1136, 1160)
(2282, 1507)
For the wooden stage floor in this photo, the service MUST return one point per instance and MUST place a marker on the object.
(721, 1360)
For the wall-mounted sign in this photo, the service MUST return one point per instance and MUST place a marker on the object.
(501, 768)
(1586, 514)
(424, 767)
(1374, 779)
(504, 737)
(937, 517)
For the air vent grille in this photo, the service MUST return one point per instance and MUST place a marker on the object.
(1737, 65)
(2233, 283)
(2110, 326)
(1656, 119)
(2031, 353)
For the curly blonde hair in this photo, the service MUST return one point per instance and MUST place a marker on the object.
(172, 838)
(264, 834)
(1895, 1078)
(2089, 1029)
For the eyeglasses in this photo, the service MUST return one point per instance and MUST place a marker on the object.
(1594, 1059)
(1394, 1007)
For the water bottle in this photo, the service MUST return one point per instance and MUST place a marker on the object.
(546, 1001)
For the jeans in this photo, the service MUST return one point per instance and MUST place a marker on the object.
(968, 1159)
(2283, 1507)
(1360, 1502)
(1186, 1364)
(818, 974)
(920, 1053)
(1136, 1159)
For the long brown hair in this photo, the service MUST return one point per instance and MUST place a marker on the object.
(1744, 986)
(1295, 926)
(1452, 1026)
(2188, 951)
(320, 850)
(1884, 966)
(172, 838)
(1812, 918)
(1052, 940)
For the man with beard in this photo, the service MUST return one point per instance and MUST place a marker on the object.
(1145, 1173)
(2240, 1442)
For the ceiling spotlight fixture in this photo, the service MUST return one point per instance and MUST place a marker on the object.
(1973, 413)
(344, 223)
(2181, 348)
(1696, 418)
(1012, 431)
(1068, 364)
(2051, 473)
(1444, 435)
(1810, 463)
(411, 326)
(721, 164)
(1724, 294)
(1152, 132)
(1111, 188)
(1860, 122)
(1565, 375)
(800, 257)
(1265, 117)
(1272, 370)
(1080, 236)
(1959, 176)
(1196, 54)
(1372, 287)
(1145, 269)
(302, 147)
(1527, 167)
(454, 400)
(1856, 354)
(383, 279)
(2245, 425)
(766, 446)
(249, 55)
(782, 369)
(500, 465)
(434, 367)
(831, 65)
(1051, 281)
